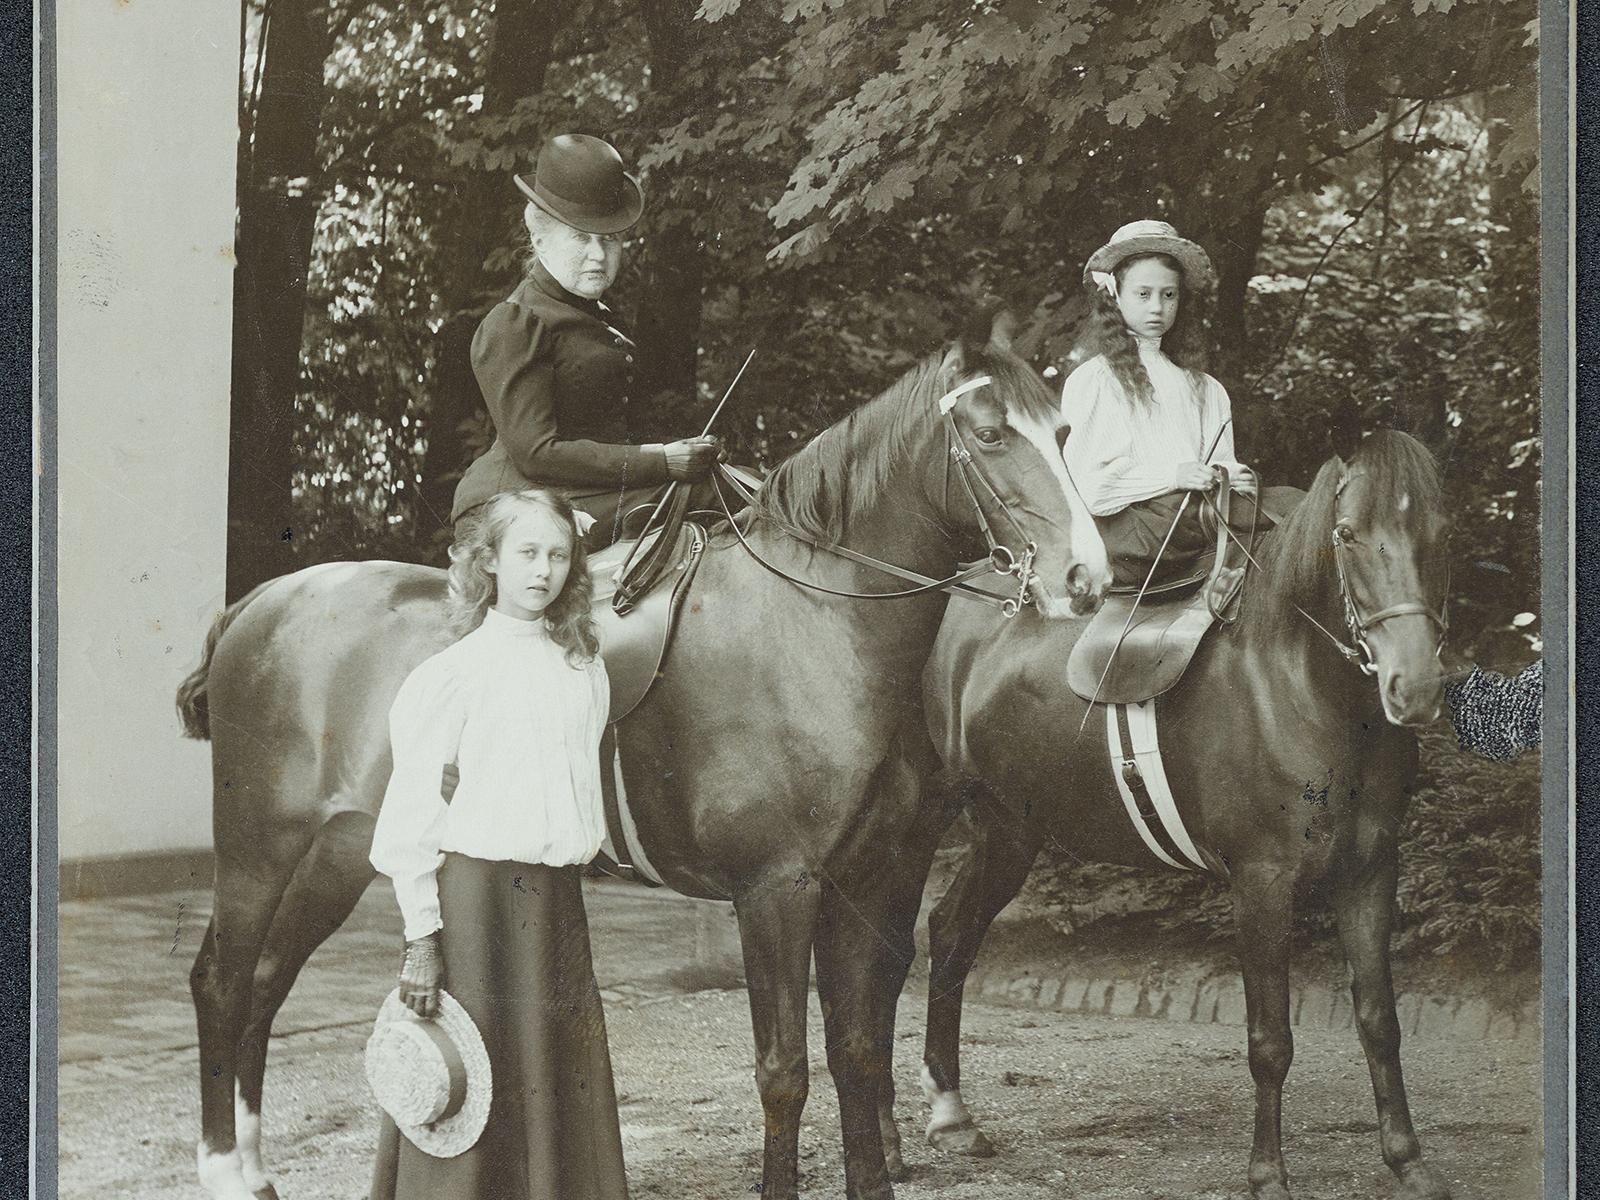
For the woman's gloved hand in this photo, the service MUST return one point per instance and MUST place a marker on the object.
(422, 976)
(692, 459)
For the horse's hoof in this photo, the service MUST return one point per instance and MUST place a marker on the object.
(963, 1138)
(1422, 1182)
(1270, 1191)
(266, 1192)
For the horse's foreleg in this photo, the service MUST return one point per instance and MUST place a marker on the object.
(990, 877)
(326, 886)
(1263, 906)
(906, 871)
(777, 926)
(1364, 909)
(246, 897)
(850, 947)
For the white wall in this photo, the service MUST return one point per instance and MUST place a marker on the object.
(147, 141)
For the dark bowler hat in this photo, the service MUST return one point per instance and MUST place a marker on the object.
(579, 179)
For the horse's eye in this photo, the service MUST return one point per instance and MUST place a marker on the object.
(989, 436)
(1343, 534)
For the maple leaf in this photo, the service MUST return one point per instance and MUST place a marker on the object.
(894, 185)
(715, 10)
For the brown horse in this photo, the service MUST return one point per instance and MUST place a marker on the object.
(1286, 774)
(780, 749)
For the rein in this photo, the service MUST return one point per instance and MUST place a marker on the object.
(1001, 560)
(1358, 652)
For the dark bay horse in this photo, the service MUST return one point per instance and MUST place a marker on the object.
(1290, 769)
(782, 747)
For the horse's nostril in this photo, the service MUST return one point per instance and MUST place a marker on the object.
(1079, 579)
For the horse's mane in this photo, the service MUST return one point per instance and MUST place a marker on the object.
(1297, 558)
(844, 468)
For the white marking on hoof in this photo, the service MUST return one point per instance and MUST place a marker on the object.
(949, 1111)
(247, 1132)
(222, 1175)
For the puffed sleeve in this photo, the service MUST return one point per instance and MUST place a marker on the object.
(1099, 450)
(513, 359)
(425, 725)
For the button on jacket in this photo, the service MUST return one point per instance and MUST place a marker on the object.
(558, 374)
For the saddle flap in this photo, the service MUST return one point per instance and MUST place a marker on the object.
(634, 645)
(1115, 668)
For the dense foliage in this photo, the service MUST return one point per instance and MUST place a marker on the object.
(837, 182)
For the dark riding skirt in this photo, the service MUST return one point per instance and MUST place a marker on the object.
(516, 953)
(1133, 536)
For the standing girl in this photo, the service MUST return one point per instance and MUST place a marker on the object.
(1147, 428)
(488, 879)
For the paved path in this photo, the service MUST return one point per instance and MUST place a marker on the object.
(1092, 1107)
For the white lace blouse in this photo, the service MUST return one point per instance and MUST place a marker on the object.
(523, 727)
(1120, 452)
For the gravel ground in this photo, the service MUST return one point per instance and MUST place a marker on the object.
(1096, 1108)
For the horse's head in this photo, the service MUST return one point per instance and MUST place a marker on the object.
(1003, 478)
(1387, 539)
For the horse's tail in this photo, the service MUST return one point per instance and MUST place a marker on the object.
(194, 711)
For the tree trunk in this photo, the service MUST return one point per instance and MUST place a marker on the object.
(277, 213)
(672, 273)
(519, 57)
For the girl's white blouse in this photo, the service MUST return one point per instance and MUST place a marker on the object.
(1121, 452)
(522, 726)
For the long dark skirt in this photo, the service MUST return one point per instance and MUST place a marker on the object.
(1134, 536)
(516, 952)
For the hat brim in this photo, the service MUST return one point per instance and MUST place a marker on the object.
(1196, 263)
(587, 220)
(459, 1132)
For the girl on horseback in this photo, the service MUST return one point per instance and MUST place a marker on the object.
(487, 873)
(1148, 430)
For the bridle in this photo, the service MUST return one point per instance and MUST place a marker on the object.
(1360, 624)
(1001, 559)
(1358, 651)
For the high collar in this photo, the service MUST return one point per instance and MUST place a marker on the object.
(496, 624)
(1148, 345)
(540, 278)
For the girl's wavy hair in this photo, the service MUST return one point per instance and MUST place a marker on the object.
(1108, 334)
(472, 585)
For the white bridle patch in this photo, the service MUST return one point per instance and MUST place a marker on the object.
(948, 400)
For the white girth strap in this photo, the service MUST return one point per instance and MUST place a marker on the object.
(1141, 720)
(634, 854)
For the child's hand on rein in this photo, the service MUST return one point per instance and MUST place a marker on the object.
(1194, 477)
(422, 975)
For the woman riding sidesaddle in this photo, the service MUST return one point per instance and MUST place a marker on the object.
(557, 367)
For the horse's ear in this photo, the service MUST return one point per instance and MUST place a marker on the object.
(1344, 428)
(1003, 330)
(954, 364)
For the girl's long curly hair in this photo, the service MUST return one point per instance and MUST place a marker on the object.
(472, 584)
(1108, 334)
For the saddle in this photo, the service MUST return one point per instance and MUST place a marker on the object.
(1119, 660)
(634, 641)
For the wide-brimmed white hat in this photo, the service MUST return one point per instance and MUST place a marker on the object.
(1152, 237)
(431, 1076)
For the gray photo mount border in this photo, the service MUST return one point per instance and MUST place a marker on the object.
(1557, 88)
(43, 1123)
